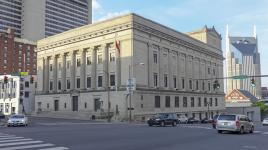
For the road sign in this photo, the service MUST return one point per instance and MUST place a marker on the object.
(131, 85)
(240, 77)
(24, 73)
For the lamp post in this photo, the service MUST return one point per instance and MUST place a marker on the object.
(130, 90)
(108, 93)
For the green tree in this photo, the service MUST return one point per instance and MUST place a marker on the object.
(263, 107)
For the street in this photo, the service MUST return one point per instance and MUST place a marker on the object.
(84, 135)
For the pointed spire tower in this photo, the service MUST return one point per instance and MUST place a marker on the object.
(254, 31)
(227, 39)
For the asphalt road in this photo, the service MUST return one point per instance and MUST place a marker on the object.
(85, 135)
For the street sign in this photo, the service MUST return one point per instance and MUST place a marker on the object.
(130, 108)
(240, 77)
(24, 73)
(131, 85)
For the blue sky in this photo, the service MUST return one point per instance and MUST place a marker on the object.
(190, 15)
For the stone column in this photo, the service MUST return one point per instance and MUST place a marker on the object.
(105, 61)
(46, 81)
(83, 69)
(118, 67)
(93, 68)
(55, 73)
(63, 72)
(73, 66)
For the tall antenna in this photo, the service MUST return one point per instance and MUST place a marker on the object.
(254, 31)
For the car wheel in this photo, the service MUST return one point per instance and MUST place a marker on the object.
(162, 124)
(241, 130)
(150, 125)
(174, 124)
(8, 125)
(179, 122)
(219, 131)
(251, 130)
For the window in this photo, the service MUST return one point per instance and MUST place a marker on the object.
(78, 62)
(141, 105)
(214, 72)
(26, 94)
(141, 97)
(65, 105)
(209, 86)
(177, 101)
(89, 60)
(182, 83)
(50, 67)
(50, 85)
(196, 85)
(99, 81)
(112, 80)
(155, 79)
(85, 105)
(68, 64)
(99, 58)
(167, 101)
(199, 101)
(47, 105)
(216, 102)
(165, 80)
(210, 102)
(155, 57)
(208, 70)
(205, 102)
(59, 85)
(88, 82)
(60, 66)
(192, 101)
(190, 84)
(68, 83)
(78, 83)
(184, 101)
(157, 101)
(203, 85)
(27, 84)
(112, 57)
(175, 81)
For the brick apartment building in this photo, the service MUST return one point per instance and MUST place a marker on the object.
(16, 54)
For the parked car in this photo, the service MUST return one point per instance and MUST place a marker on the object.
(17, 120)
(234, 123)
(163, 119)
(182, 119)
(265, 122)
(206, 120)
(193, 120)
(214, 121)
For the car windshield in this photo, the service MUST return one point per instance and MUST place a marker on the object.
(161, 116)
(227, 117)
(17, 117)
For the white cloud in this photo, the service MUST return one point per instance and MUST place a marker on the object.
(95, 5)
(110, 15)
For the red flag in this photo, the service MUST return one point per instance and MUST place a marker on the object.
(117, 45)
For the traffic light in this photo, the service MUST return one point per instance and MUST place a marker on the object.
(5, 79)
(252, 82)
(32, 80)
(216, 85)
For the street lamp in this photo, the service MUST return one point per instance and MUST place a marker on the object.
(130, 91)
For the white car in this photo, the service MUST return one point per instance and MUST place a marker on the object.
(17, 120)
(182, 119)
(265, 122)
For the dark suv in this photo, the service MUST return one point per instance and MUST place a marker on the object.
(163, 119)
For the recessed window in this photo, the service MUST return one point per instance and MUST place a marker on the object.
(184, 101)
(112, 57)
(157, 101)
(177, 101)
(78, 62)
(165, 80)
(27, 84)
(99, 81)
(199, 101)
(182, 83)
(192, 101)
(59, 85)
(155, 79)
(155, 57)
(88, 82)
(112, 80)
(168, 101)
(78, 83)
(68, 83)
(89, 60)
(99, 58)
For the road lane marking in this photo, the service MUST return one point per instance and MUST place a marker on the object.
(20, 143)
(55, 148)
(27, 146)
(265, 133)
(5, 136)
(16, 140)
(257, 131)
(11, 138)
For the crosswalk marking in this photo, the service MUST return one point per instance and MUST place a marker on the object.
(16, 140)
(55, 148)
(27, 146)
(20, 143)
(11, 142)
(265, 133)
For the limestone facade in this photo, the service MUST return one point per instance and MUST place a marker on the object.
(81, 70)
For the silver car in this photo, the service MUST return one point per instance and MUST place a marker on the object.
(17, 120)
(234, 123)
(265, 122)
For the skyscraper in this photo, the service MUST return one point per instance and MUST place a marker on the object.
(37, 19)
(243, 58)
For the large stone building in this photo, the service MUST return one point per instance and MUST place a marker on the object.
(16, 54)
(37, 19)
(243, 58)
(80, 71)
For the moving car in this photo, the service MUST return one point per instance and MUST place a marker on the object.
(163, 119)
(182, 119)
(206, 120)
(17, 120)
(265, 122)
(234, 123)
